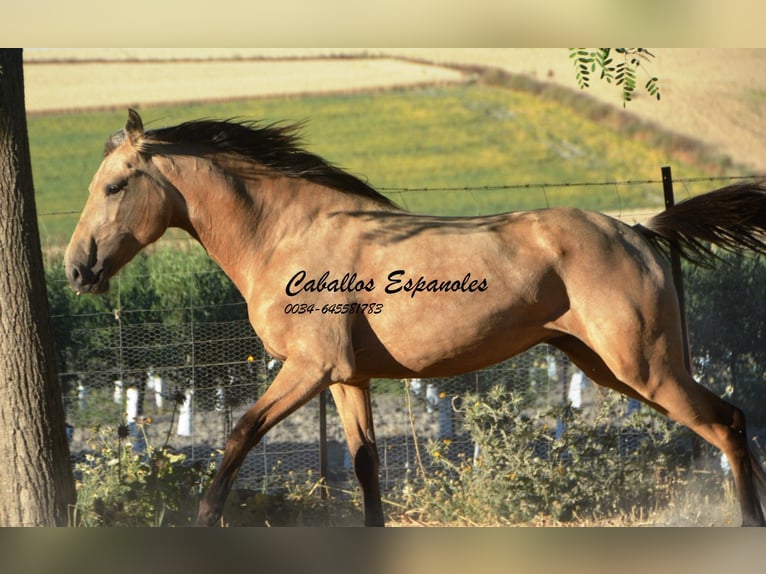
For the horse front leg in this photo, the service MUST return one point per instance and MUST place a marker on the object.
(291, 389)
(355, 409)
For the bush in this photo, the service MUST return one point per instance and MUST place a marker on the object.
(593, 469)
(119, 486)
(727, 331)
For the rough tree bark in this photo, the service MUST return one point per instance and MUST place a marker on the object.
(36, 486)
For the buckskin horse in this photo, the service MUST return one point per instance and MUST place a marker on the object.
(342, 285)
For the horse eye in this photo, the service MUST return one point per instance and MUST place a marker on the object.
(113, 188)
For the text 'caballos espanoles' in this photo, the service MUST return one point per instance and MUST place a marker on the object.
(397, 281)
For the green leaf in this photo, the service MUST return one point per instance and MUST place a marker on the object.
(622, 74)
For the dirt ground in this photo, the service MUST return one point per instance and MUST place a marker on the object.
(717, 96)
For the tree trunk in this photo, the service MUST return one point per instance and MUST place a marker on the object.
(36, 486)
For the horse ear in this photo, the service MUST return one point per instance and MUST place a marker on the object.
(135, 127)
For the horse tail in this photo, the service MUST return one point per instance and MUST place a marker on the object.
(732, 218)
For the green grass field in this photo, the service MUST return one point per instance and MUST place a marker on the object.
(454, 137)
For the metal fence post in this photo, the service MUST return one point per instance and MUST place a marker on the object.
(323, 443)
(678, 280)
(675, 265)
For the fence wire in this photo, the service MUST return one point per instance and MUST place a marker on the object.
(193, 379)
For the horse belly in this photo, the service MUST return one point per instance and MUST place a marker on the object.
(444, 340)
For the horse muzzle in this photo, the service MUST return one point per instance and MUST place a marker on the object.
(84, 279)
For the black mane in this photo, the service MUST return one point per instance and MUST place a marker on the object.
(274, 146)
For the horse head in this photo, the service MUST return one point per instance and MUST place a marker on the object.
(129, 206)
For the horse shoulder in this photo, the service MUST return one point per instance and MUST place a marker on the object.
(320, 342)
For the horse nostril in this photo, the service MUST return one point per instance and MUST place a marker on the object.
(74, 275)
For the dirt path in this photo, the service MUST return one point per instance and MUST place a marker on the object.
(113, 84)
(715, 95)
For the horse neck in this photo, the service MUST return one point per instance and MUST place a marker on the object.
(241, 222)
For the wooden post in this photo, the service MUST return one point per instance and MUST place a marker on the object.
(675, 266)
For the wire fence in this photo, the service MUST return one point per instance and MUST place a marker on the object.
(194, 367)
(193, 378)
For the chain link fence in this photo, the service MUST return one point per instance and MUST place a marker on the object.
(192, 377)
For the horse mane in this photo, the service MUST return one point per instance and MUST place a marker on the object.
(276, 146)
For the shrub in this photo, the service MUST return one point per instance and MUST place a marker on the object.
(119, 486)
(593, 469)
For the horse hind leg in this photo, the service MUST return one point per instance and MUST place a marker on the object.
(722, 425)
(685, 401)
(355, 409)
